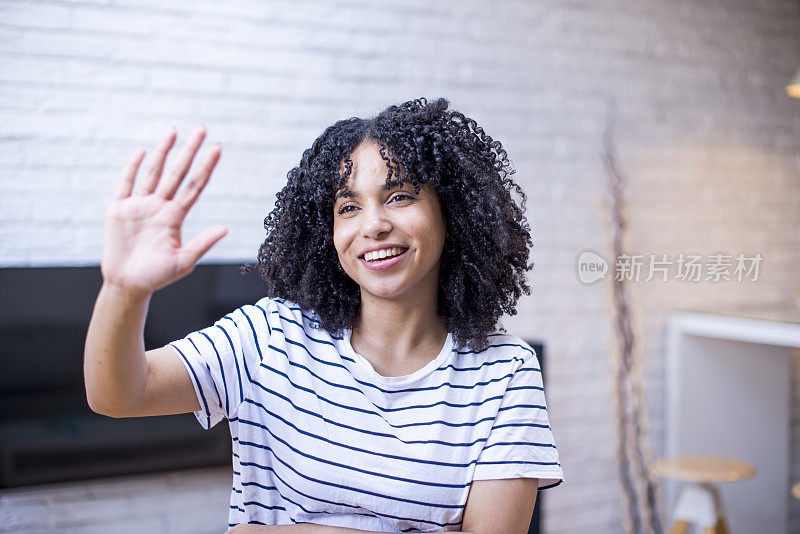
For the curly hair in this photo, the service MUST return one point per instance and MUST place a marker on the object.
(482, 267)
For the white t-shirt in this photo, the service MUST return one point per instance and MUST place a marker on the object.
(320, 437)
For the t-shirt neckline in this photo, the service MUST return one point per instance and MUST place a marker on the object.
(364, 366)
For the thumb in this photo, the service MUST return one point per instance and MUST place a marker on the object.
(197, 247)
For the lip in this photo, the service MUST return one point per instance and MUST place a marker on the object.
(380, 247)
(384, 264)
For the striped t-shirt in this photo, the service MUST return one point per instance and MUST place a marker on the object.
(320, 437)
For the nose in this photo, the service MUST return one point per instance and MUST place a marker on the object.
(376, 224)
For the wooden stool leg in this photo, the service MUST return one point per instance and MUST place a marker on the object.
(710, 530)
(721, 526)
(679, 527)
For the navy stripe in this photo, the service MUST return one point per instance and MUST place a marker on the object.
(388, 391)
(522, 406)
(521, 424)
(199, 386)
(519, 443)
(319, 322)
(209, 371)
(358, 490)
(315, 340)
(284, 498)
(551, 485)
(528, 349)
(540, 388)
(213, 383)
(376, 453)
(372, 453)
(244, 360)
(255, 341)
(369, 432)
(306, 510)
(472, 386)
(256, 503)
(235, 360)
(363, 410)
(276, 312)
(327, 512)
(208, 368)
(504, 462)
(310, 319)
(334, 364)
(288, 320)
(262, 486)
(266, 319)
(221, 367)
(529, 369)
(277, 476)
(283, 302)
(363, 431)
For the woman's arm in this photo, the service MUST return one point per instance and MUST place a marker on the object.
(142, 253)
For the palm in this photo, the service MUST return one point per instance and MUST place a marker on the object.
(142, 242)
(143, 237)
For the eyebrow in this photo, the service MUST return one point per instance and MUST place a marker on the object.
(353, 194)
(345, 194)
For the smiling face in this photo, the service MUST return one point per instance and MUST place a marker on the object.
(371, 218)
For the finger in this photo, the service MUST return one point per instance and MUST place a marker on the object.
(175, 175)
(128, 174)
(157, 161)
(197, 247)
(188, 196)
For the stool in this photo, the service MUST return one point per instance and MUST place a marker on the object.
(699, 501)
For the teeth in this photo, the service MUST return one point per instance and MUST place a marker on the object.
(383, 253)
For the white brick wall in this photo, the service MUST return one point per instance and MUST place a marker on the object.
(705, 133)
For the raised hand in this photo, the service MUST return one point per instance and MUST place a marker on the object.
(142, 249)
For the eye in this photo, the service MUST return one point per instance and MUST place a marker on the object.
(344, 209)
(402, 196)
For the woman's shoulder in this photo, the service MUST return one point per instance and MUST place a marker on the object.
(504, 343)
(285, 312)
(287, 308)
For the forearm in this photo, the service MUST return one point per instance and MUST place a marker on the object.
(114, 366)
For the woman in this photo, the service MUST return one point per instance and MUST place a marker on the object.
(368, 391)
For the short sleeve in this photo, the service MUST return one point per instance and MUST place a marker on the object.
(222, 359)
(521, 442)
